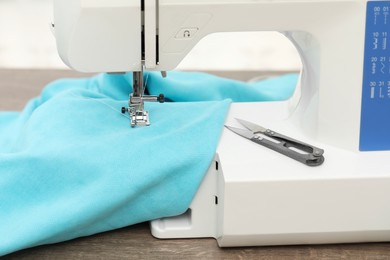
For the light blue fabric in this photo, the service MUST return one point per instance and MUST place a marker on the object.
(71, 166)
(184, 87)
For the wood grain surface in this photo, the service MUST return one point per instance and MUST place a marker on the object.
(136, 242)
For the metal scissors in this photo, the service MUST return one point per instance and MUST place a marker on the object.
(302, 152)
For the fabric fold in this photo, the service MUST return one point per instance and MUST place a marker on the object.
(71, 165)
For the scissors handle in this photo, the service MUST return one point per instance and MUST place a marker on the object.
(310, 155)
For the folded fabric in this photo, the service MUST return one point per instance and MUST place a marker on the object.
(71, 166)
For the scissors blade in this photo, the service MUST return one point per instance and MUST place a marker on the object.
(251, 126)
(242, 132)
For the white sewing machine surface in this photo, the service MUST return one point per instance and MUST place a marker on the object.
(265, 198)
(251, 195)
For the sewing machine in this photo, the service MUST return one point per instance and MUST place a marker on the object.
(251, 196)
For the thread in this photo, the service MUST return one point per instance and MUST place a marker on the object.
(101, 102)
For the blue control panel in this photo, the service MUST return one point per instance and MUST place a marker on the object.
(375, 115)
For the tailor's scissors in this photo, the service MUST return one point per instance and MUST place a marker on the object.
(302, 152)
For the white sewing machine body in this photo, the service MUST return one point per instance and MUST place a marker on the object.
(255, 196)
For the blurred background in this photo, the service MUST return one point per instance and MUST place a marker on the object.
(27, 42)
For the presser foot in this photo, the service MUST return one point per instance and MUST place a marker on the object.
(137, 117)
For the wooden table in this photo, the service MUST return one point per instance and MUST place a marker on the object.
(136, 242)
